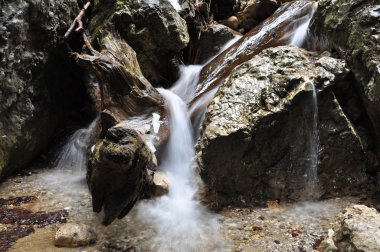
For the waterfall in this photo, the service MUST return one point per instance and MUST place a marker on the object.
(312, 188)
(69, 172)
(175, 4)
(184, 87)
(180, 151)
(302, 32)
(180, 221)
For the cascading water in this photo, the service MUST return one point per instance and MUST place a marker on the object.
(299, 39)
(311, 190)
(180, 150)
(175, 4)
(184, 87)
(180, 221)
(301, 34)
(69, 172)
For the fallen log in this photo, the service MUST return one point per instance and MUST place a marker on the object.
(122, 163)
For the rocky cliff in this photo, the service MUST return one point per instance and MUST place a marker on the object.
(40, 86)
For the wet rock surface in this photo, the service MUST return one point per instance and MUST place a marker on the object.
(358, 229)
(20, 216)
(255, 138)
(10, 235)
(40, 87)
(73, 235)
(160, 185)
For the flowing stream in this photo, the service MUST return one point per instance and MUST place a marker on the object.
(179, 220)
(301, 33)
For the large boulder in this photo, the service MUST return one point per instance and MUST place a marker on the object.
(39, 85)
(153, 28)
(259, 139)
(357, 229)
(351, 29)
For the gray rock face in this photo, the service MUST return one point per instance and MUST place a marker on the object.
(256, 137)
(153, 28)
(36, 88)
(357, 229)
(351, 28)
(72, 235)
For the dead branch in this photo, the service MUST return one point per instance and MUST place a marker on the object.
(78, 21)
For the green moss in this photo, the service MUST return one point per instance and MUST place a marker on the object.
(104, 12)
(96, 155)
(100, 20)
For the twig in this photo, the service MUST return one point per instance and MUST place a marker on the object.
(78, 21)
(87, 42)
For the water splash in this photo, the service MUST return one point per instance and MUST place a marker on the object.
(69, 172)
(180, 221)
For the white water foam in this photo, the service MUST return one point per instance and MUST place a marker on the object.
(175, 4)
(180, 221)
(301, 34)
(184, 87)
(69, 172)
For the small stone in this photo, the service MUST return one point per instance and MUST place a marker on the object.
(296, 233)
(160, 181)
(236, 226)
(232, 22)
(72, 235)
(357, 228)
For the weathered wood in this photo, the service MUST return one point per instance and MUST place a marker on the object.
(122, 164)
(78, 23)
(124, 89)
